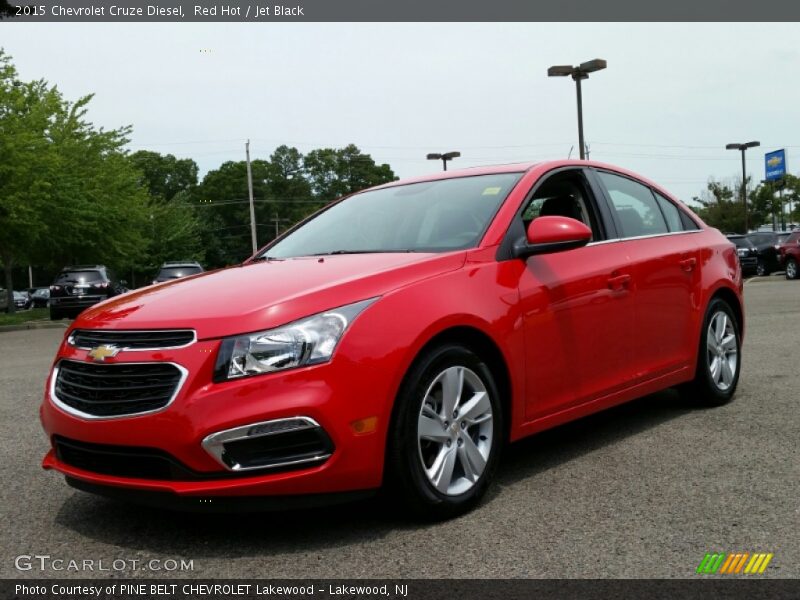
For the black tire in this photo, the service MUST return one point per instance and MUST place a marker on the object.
(791, 268)
(761, 268)
(56, 315)
(704, 390)
(406, 477)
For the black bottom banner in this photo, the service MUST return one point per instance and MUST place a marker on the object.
(444, 589)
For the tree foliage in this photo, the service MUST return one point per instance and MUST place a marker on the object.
(70, 192)
(722, 207)
(286, 188)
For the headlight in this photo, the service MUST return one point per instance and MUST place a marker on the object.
(306, 342)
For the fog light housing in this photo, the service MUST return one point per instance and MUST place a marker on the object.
(276, 444)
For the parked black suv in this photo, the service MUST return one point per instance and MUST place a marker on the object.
(768, 255)
(79, 287)
(176, 270)
(748, 254)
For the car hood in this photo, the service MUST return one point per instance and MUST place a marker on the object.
(261, 295)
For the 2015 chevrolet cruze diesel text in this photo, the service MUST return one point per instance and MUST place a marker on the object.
(399, 337)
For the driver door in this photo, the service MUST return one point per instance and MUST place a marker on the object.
(577, 306)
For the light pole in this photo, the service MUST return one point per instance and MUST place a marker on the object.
(444, 157)
(578, 73)
(743, 148)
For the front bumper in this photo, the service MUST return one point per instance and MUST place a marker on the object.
(78, 302)
(339, 396)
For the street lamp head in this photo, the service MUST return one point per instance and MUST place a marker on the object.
(451, 155)
(593, 65)
(434, 156)
(559, 71)
(744, 146)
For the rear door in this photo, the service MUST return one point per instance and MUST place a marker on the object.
(665, 258)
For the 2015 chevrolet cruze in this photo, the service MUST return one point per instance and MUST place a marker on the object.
(400, 336)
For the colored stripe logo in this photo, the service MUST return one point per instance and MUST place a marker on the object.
(734, 563)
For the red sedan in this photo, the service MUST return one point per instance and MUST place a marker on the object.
(399, 337)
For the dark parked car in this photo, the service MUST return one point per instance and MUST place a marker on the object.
(22, 300)
(790, 255)
(767, 244)
(40, 296)
(748, 254)
(176, 270)
(80, 287)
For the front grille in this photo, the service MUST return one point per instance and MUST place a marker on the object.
(132, 339)
(116, 389)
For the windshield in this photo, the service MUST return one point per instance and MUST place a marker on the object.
(741, 242)
(432, 216)
(78, 277)
(177, 272)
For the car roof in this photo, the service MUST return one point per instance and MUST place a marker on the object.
(522, 167)
(183, 263)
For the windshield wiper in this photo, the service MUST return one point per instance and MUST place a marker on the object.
(266, 258)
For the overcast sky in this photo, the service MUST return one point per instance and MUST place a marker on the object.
(672, 97)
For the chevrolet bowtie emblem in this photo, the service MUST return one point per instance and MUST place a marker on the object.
(100, 353)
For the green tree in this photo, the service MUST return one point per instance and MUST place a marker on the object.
(68, 192)
(721, 207)
(164, 175)
(333, 173)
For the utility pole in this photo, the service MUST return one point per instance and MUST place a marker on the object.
(277, 220)
(250, 191)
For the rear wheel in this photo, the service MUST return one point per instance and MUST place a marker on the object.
(761, 268)
(447, 433)
(55, 315)
(719, 357)
(791, 268)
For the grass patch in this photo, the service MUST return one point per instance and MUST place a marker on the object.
(23, 316)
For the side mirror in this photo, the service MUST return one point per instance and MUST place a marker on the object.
(552, 234)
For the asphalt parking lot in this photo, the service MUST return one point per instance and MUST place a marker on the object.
(644, 490)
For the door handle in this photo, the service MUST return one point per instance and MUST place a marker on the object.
(688, 264)
(619, 282)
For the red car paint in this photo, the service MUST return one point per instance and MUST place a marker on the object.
(575, 330)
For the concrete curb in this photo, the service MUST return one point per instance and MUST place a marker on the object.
(33, 325)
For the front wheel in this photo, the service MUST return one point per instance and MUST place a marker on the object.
(447, 433)
(719, 357)
(791, 268)
(761, 268)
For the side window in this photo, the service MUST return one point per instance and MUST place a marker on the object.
(635, 206)
(563, 194)
(671, 213)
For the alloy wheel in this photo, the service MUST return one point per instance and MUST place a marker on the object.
(791, 269)
(722, 348)
(454, 430)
